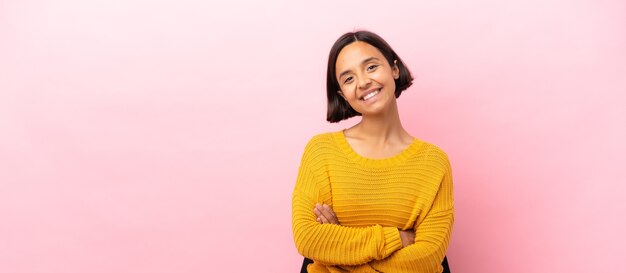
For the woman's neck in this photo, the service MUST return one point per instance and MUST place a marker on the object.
(381, 129)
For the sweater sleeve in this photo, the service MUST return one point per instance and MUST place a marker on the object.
(333, 244)
(432, 236)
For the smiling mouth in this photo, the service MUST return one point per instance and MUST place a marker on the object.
(370, 95)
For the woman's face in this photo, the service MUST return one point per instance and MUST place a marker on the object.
(366, 79)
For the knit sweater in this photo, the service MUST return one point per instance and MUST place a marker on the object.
(372, 199)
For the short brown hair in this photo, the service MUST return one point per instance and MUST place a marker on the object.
(338, 108)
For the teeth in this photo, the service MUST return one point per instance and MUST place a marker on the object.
(371, 95)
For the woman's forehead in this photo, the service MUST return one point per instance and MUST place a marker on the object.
(355, 53)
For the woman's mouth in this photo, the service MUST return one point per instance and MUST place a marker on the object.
(370, 95)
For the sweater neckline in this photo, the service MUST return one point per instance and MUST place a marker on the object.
(393, 160)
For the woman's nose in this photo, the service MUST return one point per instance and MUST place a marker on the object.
(364, 82)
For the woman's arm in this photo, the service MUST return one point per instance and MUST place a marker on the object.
(326, 215)
(432, 235)
(334, 244)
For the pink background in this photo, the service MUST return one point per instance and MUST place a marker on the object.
(165, 136)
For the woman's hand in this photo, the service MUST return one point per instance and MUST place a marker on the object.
(325, 214)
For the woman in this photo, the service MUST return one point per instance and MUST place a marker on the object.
(371, 198)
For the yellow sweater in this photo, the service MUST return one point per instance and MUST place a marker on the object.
(372, 199)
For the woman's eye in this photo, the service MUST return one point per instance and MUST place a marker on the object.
(372, 67)
(347, 80)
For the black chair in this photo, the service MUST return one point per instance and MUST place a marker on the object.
(444, 263)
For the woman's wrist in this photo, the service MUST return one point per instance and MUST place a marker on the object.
(407, 237)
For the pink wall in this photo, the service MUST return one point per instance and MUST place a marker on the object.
(165, 136)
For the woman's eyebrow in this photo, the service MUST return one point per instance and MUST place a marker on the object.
(363, 62)
(369, 60)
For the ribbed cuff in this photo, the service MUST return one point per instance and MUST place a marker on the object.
(392, 241)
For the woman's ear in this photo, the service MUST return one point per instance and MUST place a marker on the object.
(395, 70)
(341, 94)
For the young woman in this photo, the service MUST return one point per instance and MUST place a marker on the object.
(371, 198)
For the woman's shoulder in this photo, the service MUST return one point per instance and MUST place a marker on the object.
(322, 139)
(434, 153)
(320, 146)
(433, 148)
